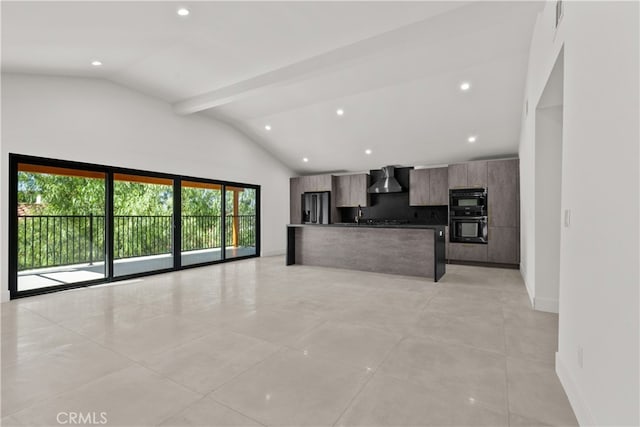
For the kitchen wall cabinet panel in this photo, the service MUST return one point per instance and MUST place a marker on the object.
(429, 187)
(467, 252)
(503, 205)
(295, 200)
(503, 172)
(439, 187)
(316, 183)
(477, 174)
(358, 192)
(457, 175)
(419, 187)
(343, 191)
(351, 190)
(503, 245)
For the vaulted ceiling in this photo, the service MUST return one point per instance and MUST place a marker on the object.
(394, 68)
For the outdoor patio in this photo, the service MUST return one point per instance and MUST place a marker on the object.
(62, 275)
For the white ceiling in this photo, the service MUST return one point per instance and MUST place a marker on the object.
(394, 68)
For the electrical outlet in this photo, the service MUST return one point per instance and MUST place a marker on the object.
(567, 218)
(580, 356)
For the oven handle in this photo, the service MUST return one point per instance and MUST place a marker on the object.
(459, 218)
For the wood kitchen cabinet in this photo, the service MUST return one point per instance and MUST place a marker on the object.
(351, 190)
(316, 183)
(419, 187)
(503, 189)
(503, 206)
(468, 175)
(503, 245)
(503, 193)
(429, 187)
(295, 200)
(468, 252)
(477, 174)
(457, 175)
(503, 172)
(439, 187)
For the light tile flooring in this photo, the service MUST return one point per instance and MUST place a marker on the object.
(257, 343)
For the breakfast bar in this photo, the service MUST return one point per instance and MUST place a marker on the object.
(406, 249)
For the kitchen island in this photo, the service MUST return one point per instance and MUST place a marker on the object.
(407, 249)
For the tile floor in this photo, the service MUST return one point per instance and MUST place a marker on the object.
(257, 343)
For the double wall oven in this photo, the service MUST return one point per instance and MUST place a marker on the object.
(468, 215)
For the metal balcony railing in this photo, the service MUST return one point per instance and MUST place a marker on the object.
(58, 240)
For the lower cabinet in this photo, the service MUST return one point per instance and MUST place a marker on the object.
(503, 245)
(467, 252)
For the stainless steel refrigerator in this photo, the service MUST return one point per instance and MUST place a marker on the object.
(316, 208)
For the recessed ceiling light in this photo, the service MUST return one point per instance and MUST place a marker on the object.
(96, 63)
(183, 11)
(340, 112)
(472, 139)
(465, 86)
(304, 159)
(367, 151)
(267, 127)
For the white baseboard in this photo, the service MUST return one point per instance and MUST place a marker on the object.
(4, 296)
(523, 273)
(578, 404)
(546, 304)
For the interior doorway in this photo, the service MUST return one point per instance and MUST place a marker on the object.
(548, 189)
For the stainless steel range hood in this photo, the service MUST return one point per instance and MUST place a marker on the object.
(387, 183)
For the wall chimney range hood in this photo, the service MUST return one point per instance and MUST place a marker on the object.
(387, 183)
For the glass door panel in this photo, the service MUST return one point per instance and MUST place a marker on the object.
(240, 222)
(61, 226)
(142, 224)
(201, 222)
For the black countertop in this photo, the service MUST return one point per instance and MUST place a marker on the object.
(365, 225)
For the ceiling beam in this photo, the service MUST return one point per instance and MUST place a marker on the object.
(467, 18)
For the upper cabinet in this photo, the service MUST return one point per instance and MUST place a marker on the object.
(316, 183)
(458, 175)
(503, 172)
(428, 187)
(439, 187)
(504, 197)
(477, 174)
(295, 200)
(419, 187)
(467, 175)
(351, 190)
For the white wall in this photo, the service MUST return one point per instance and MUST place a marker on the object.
(548, 167)
(96, 121)
(599, 278)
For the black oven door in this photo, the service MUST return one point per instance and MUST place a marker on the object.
(468, 230)
(469, 199)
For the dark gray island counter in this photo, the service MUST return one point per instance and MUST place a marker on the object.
(407, 249)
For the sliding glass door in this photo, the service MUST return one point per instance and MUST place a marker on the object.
(142, 224)
(201, 222)
(78, 224)
(240, 221)
(60, 226)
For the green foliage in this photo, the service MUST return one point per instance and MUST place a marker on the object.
(200, 201)
(142, 219)
(134, 198)
(62, 195)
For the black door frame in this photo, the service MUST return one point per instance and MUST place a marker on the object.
(109, 171)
